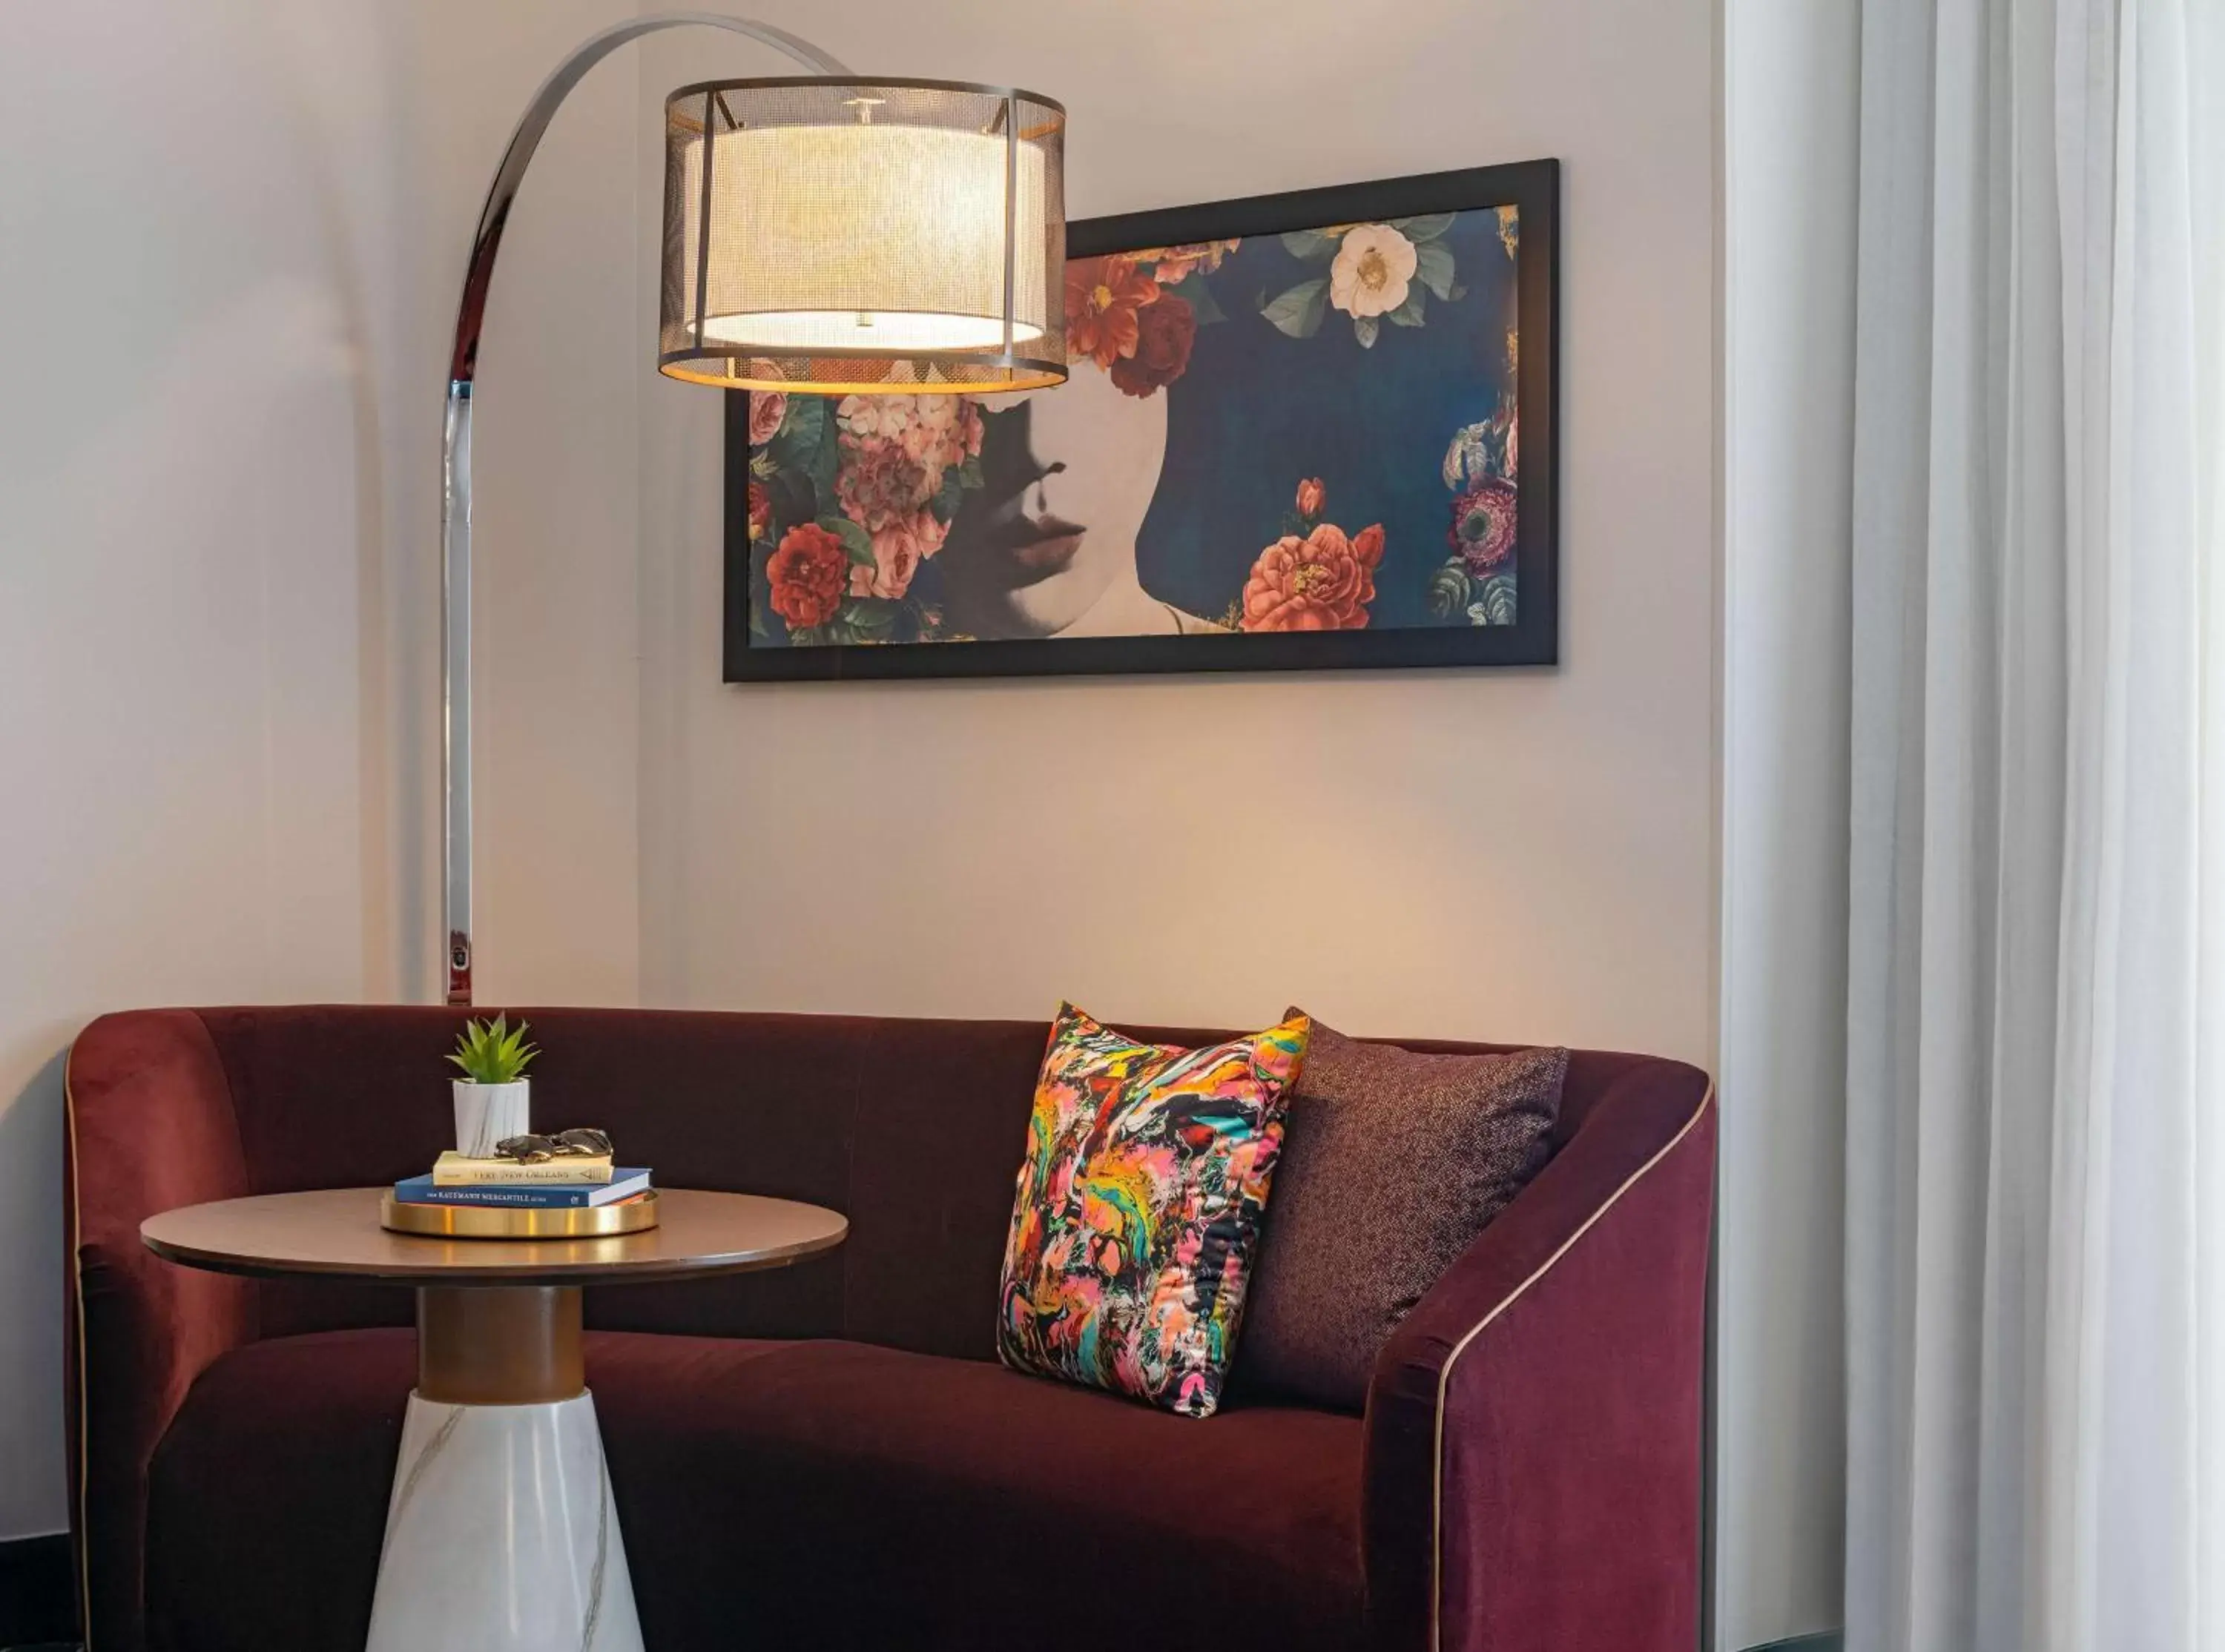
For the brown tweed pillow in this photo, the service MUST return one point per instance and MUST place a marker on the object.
(1393, 1162)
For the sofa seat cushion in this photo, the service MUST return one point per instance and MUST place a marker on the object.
(806, 1495)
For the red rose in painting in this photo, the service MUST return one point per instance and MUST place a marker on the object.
(1311, 495)
(1483, 525)
(809, 574)
(1103, 296)
(1321, 583)
(760, 510)
(1164, 332)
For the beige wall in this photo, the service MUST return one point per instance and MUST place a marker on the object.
(1525, 855)
(217, 642)
(230, 236)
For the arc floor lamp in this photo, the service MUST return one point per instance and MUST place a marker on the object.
(822, 233)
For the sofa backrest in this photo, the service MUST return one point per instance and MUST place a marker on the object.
(912, 1128)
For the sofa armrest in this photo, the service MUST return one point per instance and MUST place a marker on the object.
(151, 1127)
(1533, 1456)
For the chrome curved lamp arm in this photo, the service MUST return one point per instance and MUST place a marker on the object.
(456, 461)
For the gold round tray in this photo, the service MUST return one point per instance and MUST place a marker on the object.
(519, 1222)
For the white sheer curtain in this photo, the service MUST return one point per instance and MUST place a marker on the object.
(2035, 1136)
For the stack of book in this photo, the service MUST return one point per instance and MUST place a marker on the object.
(569, 1183)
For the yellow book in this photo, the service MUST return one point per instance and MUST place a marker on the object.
(453, 1169)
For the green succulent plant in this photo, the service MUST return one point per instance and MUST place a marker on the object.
(493, 1052)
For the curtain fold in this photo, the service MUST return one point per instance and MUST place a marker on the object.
(2037, 938)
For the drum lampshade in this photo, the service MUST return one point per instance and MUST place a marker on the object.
(845, 237)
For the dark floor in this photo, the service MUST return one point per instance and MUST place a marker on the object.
(38, 1600)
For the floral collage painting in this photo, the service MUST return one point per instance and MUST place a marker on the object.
(1314, 445)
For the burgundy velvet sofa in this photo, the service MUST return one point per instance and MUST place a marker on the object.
(829, 1456)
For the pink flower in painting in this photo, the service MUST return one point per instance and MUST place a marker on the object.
(966, 440)
(922, 444)
(899, 549)
(879, 483)
(1171, 264)
(1311, 494)
(767, 410)
(1483, 525)
(1321, 583)
(936, 434)
(868, 416)
(896, 450)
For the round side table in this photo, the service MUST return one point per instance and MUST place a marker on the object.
(501, 1535)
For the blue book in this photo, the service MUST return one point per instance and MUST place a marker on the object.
(623, 1184)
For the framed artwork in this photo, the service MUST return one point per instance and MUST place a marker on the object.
(1301, 431)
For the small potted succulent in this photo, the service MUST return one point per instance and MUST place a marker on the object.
(492, 1098)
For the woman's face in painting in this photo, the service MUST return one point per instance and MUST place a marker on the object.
(1067, 476)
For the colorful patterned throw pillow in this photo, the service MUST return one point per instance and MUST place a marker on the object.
(1138, 1214)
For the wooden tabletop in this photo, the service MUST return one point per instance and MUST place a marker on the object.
(336, 1232)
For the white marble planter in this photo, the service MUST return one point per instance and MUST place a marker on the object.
(501, 1535)
(487, 1113)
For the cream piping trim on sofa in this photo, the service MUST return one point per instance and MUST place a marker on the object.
(83, 1398)
(1444, 1374)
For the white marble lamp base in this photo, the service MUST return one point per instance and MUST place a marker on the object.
(501, 1535)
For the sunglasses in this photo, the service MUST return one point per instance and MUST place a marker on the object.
(565, 1144)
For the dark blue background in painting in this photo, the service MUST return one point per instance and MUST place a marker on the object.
(1258, 411)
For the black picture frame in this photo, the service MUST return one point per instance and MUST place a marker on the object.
(1532, 187)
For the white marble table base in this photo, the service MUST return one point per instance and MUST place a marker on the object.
(501, 1533)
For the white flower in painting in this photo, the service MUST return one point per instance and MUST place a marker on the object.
(1464, 459)
(1488, 449)
(1372, 269)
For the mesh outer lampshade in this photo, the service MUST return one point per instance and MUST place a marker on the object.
(845, 236)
